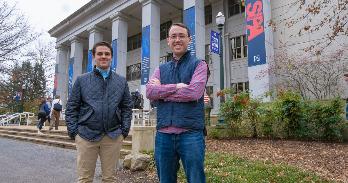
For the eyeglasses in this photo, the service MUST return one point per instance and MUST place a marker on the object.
(180, 36)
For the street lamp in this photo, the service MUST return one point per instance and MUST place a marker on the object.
(24, 87)
(220, 21)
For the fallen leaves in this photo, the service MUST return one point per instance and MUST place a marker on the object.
(329, 160)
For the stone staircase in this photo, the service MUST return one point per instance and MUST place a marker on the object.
(57, 138)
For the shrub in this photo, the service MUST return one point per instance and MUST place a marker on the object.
(291, 112)
(232, 109)
(331, 121)
(288, 116)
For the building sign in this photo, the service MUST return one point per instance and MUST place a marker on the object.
(114, 55)
(90, 61)
(214, 42)
(189, 21)
(145, 55)
(71, 73)
(255, 32)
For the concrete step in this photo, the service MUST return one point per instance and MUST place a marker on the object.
(32, 129)
(34, 134)
(57, 138)
(62, 144)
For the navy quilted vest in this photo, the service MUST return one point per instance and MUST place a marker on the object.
(188, 115)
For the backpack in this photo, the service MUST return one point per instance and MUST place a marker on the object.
(57, 106)
(42, 112)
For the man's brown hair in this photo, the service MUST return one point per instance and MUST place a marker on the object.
(180, 25)
(102, 43)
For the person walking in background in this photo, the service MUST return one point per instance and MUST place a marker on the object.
(98, 116)
(176, 88)
(44, 112)
(55, 112)
(49, 104)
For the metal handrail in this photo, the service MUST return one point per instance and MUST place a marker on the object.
(144, 117)
(15, 118)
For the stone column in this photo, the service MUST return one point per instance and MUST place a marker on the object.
(119, 43)
(95, 36)
(194, 20)
(150, 46)
(61, 77)
(75, 61)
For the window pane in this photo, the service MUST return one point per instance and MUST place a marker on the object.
(247, 86)
(234, 88)
(164, 29)
(129, 73)
(208, 14)
(238, 42)
(240, 87)
(239, 52)
(235, 7)
(169, 57)
(137, 71)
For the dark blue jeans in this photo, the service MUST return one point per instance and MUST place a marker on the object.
(41, 122)
(189, 147)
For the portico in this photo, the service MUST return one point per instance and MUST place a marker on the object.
(134, 29)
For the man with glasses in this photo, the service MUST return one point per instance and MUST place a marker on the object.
(176, 88)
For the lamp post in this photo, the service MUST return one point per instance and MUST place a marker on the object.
(24, 87)
(220, 21)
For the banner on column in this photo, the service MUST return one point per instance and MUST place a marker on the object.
(71, 73)
(55, 82)
(255, 32)
(114, 55)
(145, 55)
(90, 61)
(259, 50)
(190, 21)
(215, 42)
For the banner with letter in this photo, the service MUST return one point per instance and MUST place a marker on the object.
(145, 54)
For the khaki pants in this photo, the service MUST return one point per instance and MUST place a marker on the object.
(55, 119)
(87, 153)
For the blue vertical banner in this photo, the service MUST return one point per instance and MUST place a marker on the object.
(89, 61)
(145, 55)
(71, 74)
(114, 55)
(255, 32)
(215, 42)
(55, 84)
(189, 21)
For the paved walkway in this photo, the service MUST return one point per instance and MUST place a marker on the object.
(23, 162)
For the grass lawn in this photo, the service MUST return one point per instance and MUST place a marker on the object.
(221, 167)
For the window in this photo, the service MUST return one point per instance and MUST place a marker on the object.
(235, 7)
(133, 72)
(239, 47)
(134, 42)
(164, 29)
(210, 93)
(240, 87)
(166, 58)
(208, 59)
(208, 14)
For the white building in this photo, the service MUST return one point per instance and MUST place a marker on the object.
(129, 24)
